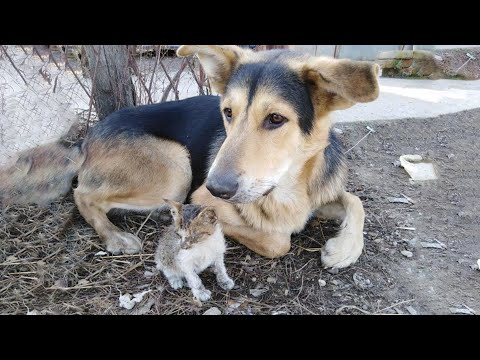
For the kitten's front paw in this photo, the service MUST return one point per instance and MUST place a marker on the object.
(202, 295)
(176, 283)
(228, 284)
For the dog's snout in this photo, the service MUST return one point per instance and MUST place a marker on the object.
(224, 186)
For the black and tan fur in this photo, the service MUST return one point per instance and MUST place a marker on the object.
(268, 180)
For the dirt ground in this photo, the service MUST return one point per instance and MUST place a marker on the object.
(48, 261)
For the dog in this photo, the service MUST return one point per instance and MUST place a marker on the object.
(262, 154)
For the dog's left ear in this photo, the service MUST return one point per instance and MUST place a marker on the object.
(218, 61)
(348, 81)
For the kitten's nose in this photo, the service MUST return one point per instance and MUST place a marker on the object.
(224, 186)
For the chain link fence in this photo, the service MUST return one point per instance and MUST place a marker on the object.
(46, 89)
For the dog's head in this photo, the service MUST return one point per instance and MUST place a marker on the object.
(274, 105)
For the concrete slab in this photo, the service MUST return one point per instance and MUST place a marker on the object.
(415, 98)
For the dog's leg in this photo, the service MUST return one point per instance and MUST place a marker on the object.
(223, 279)
(134, 174)
(268, 244)
(345, 248)
(94, 212)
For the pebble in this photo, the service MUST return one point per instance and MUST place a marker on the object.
(322, 282)
(213, 311)
(406, 253)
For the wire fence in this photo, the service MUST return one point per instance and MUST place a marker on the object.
(46, 89)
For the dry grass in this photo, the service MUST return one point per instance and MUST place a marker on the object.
(48, 264)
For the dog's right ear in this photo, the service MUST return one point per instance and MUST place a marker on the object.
(176, 211)
(218, 61)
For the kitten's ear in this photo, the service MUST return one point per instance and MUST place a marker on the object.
(208, 215)
(176, 210)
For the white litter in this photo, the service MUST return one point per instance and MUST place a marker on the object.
(101, 253)
(417, 168)
(213, 311)
(126, 301)
(406, 253)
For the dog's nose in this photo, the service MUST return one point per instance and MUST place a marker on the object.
(224, 186)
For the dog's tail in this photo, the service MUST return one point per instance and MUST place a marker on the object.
(42, 174)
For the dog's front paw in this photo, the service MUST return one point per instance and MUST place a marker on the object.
(123, 243)
(341, 251)
(227, 284)
(202, 295)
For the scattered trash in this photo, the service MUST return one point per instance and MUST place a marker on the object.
(465, 310)
(409, 199)
(280, 312)
(271, 280)
(437, 245)
(417, 168)
(406, 253)
(322, 282)
(126, 301)
(398, 200)
(101, 253)
(258, 291)
(411, 310)
(213, 311)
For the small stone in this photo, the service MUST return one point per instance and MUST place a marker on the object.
(271, 280)
(450, 156)
(148, 274)
(411, 310)
(254, 279)
(322, 282)
(213, 311)
(406, 253)
(335, 282)
(286, 292)
(333, 271)
(338, 131)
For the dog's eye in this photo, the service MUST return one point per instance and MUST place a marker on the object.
(274, 121)
(228, 114)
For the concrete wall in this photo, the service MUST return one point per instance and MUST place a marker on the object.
(366, 52)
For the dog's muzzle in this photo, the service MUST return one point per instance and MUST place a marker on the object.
(223, 187)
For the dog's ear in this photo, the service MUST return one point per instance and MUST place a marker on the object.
(346, 81)
(218, 61)
(176, 211)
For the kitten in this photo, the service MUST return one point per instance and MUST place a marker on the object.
(193, 242)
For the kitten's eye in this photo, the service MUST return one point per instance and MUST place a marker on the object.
(228, 114)
(274, 121)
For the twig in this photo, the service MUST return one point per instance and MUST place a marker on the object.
(74, 73)
(200, 87)
(370, 130)
(4, 48)
(141, 226)
(395, 305)
(340, 309)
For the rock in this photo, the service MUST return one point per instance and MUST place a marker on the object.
(437, 245)
(213, 311)
(148, 274)
(361, 281)
(411, 310)
(398, 200)
(271, 280)
(406, 253)
(322, 282)
(333, 271)
(258, 291)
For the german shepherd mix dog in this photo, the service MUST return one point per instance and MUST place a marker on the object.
(262, 154)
